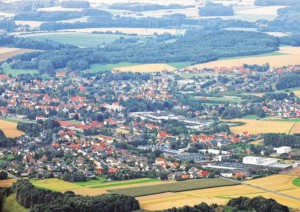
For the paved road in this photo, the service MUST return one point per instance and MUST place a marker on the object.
(265, 189)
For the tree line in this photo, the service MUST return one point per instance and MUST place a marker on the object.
(259, 204)
(281, 139)
(40, 200)
(144, 7)
(212, 9)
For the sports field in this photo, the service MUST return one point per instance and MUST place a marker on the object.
(10, 129)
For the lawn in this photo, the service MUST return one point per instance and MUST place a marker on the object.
(16, 72)
(87, 40)
(11, 205)
(95, 68)
(222, 99)
(174, 187)
(296, 182)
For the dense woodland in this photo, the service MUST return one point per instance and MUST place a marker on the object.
(19, 42)
(212, 9)
(289, 80)
(137, 7)
(75, 4)
(279, 139)
(195, 46)
(259, 204)
(61, 15)
(41, 200)
(276, 2)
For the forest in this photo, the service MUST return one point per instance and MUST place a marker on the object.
(289, 80)
(75, 4)
(279, 139)
(196, 46)
(40, 200)
(60, 15)
(212, 9)
(135, 7)
(276, 2)
(19, 42)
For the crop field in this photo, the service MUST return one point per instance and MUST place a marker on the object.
(77, 38)
(96, 68)
(295, 172)
(296, 182)
(295, 129)
(174, 187)
(6, 53)
(261, 126)
(32, 24)
(148, 68)
(7, 183)
(284, 57)
(275, 182)
(222, 99)
(138, 31)
(221, 195)
(56, 185)
(15, 72)
(10, 129)
(11, 205)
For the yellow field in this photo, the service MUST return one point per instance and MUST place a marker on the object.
(271, 10)
(56, 185)
(62, 186)
(6, 53)
(260, 126)
(147, 68)
(290, 56)
(10, 129)
(275, 182)
(295, 129)
(221, 195)
(138, 31)
(33, 24)
(7, 183)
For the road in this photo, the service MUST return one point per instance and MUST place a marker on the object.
(264, 189)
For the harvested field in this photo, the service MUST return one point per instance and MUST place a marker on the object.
(221, 195)
(261, 126)
(7, 183)
(275, 182)
(295, 129)
(32, 24)
(175, 187)
(56, 185)
(10, 129)
(284, 57)
(138, 31)
(295, 172)
(6, 53)
(147, 68)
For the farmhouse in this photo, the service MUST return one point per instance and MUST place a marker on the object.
(283, 150)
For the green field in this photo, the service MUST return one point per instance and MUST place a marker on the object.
(123, 183)
(251, 117)
(221, 99)
(174, 187)
(11, 205)
(88, 40)
(95, 68)
(16, 72)
(180, 65)
(92, 182)
(296, 182)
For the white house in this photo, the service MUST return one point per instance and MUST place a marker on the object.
(283, 150)
(252, 160)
